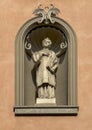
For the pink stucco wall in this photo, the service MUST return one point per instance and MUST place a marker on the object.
(13, 13)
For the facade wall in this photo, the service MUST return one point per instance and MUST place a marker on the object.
(13, 13)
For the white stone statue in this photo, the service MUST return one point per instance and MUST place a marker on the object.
(47, 63)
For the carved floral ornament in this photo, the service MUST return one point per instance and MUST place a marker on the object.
(46, 13)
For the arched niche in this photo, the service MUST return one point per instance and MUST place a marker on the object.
(66, 92)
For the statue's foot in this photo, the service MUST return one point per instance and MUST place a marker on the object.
(51, 97)
(41, 96)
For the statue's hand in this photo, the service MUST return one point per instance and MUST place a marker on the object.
(50, 70)
(63, 45)
(45, 54)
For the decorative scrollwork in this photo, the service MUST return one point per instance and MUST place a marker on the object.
(46, 15)
(63, 45)
(27, 44)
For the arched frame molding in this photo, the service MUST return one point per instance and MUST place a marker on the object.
(72, 107)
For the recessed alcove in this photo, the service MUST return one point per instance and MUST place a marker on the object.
(66, 90)
(35, 38)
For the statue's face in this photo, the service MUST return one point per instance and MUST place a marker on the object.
(46, 43)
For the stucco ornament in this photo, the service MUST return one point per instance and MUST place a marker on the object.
(46, 14)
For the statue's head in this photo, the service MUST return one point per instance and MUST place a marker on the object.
(46, 42)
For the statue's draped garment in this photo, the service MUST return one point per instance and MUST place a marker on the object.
(46, 66)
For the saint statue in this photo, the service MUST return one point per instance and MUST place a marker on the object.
(46, 62)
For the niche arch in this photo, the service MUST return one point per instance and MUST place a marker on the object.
(22, 105)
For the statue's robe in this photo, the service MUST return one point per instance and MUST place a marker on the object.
(46, 67)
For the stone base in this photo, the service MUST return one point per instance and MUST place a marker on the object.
(46, 101)
(41, 110)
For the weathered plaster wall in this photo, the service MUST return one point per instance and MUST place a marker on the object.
(13, 13)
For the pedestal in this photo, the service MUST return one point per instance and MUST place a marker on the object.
(46, 101)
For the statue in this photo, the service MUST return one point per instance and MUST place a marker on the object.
(46, 62)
